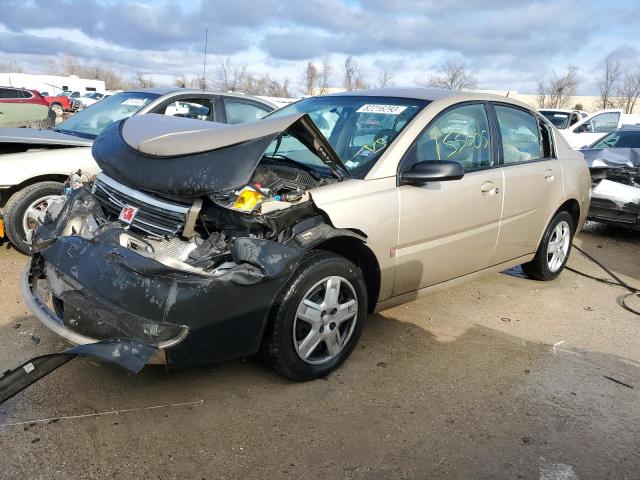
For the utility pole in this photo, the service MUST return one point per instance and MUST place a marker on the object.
(204, 63)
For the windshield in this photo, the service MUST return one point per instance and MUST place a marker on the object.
(359, 128)
(619, 139)
(90, 122)
(92, 95)
(559, 119)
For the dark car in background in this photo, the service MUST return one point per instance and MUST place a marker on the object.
(614, 162)
(20, 107)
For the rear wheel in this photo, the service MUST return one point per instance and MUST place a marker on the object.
(23, 209)
(554, 249)
(317, 320)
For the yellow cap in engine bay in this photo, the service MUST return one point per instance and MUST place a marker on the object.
(247, 199)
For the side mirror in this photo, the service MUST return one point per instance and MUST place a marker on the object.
(431, 171)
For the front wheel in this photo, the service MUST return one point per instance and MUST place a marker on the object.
(554, 249)
(317, 320)
(23, 209)
(57, 109)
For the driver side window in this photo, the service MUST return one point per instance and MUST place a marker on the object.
(460, 134)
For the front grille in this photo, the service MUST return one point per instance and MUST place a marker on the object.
(154, 216)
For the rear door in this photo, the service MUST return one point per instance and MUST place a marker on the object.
(449, 229)
(533, 185)
(18, 111)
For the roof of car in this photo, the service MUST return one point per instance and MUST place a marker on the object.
(634, 128)
(430, 94)
(168, 90)
(562, 110)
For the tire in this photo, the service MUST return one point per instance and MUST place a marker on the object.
(284, 343)
(16, 209)
(547, 265)
(57, 109)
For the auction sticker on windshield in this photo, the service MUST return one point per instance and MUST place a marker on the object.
(385, 109)
(135, 102)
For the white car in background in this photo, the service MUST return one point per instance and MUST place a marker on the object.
(596, 126)
(563, 118)
(35, 164)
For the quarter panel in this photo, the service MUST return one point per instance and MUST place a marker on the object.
(16, 168)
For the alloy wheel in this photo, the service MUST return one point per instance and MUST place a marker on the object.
(325, 320)
(558, 246)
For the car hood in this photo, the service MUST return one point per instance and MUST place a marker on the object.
(612, 157)
(189, 158)
(31, 138)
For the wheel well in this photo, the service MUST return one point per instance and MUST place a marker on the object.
(356, 251)
(5, 194)
(572, 207)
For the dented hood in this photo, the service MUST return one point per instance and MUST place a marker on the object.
(189, 158)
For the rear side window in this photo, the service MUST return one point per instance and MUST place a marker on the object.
(9, 93)
(520, 135)
(241, 112)
(460, 134)
(605, 122)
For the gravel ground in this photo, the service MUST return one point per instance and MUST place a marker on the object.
(503, 377)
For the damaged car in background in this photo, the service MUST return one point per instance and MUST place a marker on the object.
(207, 242)
(614, 163)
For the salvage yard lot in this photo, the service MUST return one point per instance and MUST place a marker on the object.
(503, 377)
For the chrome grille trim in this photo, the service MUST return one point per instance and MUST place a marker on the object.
(154, 216)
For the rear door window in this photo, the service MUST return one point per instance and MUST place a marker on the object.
(520, 133)
(9, 93)
(240, 111)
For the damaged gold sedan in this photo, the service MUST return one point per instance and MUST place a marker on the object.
(208, 242)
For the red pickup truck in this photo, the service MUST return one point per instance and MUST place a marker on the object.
(62, 102)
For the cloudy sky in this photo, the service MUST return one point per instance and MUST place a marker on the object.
(509, 45)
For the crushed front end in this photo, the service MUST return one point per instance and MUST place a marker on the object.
(615, 193)
(190, 270)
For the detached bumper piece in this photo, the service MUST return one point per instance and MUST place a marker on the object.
(123, 352)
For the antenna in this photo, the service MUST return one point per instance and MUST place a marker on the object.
(204, 63)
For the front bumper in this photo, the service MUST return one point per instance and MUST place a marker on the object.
(100, 290)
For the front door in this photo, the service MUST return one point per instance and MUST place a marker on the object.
(450, 228)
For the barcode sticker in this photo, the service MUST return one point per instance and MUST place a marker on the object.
(384, 109)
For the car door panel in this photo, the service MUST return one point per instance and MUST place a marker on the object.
(447, 229)
(532, 191)
(450, 228)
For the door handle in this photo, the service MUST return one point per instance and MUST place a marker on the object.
(549, 176)
(489, 188)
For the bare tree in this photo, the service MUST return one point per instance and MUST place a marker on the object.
(265, 85)
(230, 75)
(384, 78)
(180, 81)
(309, 79)
(11, 67)
(350, 73)
(324, 76)
(453, 75)
(70, 65)
(51, 68)
(199, 82)
(557, 91)
(628, 92)
(609, 83)
(141, 81)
